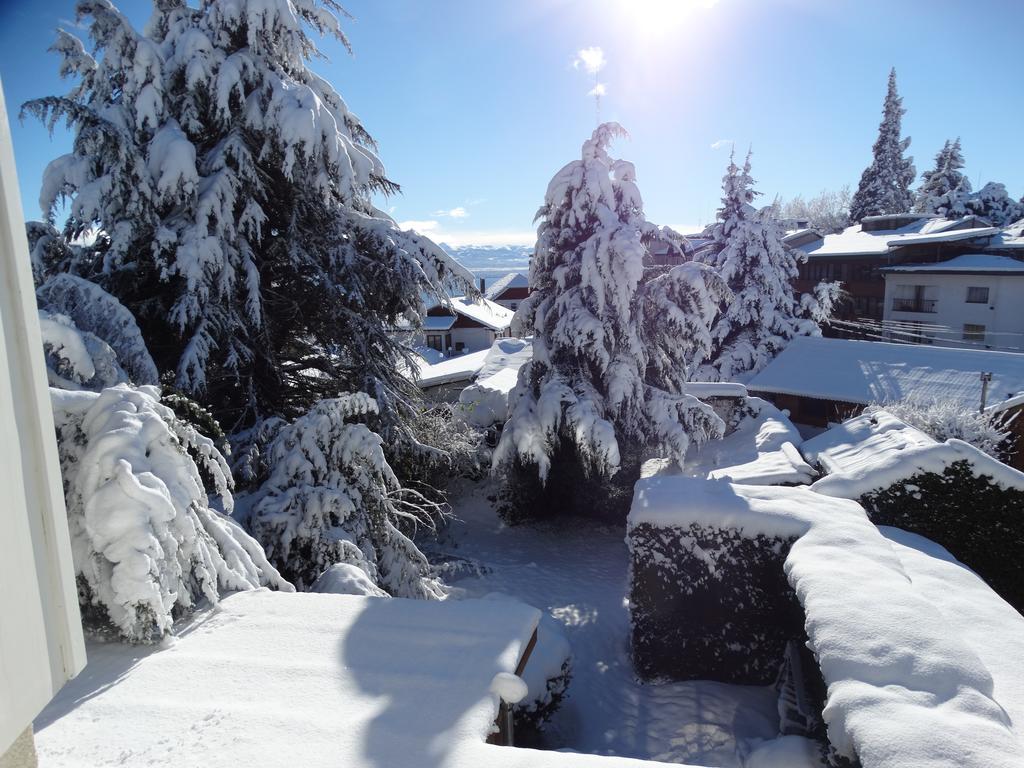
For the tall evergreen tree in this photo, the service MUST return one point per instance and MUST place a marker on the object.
(232, 188)
(762, 313)
(885, 184)
(605, 380)
(944, 187)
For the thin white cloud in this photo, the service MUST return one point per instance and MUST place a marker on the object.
(424, 227)
(721, 143)
(687, 229)
(458, 212)
(591, 60)
(436, 232)
(598, 90)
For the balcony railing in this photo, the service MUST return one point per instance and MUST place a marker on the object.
(914, 305)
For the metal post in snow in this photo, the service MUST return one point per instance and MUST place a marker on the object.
(986, 377)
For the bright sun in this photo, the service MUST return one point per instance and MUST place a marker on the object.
(662, 16)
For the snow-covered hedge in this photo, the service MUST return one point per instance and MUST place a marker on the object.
(331, 497)
(950, 418)
(709, 602)
(147, 544)
(981, 522)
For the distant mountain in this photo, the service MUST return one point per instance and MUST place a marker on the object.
(491, 262)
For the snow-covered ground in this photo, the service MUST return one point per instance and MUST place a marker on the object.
(577, 573)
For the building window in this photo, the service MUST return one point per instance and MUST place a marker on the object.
(974, 332)
(913, 298)
(976, 295)
(434, 341)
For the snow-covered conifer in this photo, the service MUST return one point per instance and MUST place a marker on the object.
(761, 314)
(885, 184)
(331, 497)
(95, 311)
(944, 188)
(232, 190)
(594, 322)
(147, 544)
(994, 204)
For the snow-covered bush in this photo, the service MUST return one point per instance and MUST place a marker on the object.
(231, 194)
(331, 497)
(943, 419)
(885, 184)
(760, 315)
(976, 517)
(584, 401)
(735, 586)
(147, 544)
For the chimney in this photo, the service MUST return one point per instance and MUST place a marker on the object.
(482, 283)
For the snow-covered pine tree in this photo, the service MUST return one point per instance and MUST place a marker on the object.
(885, 184)
(601, 387)
(944, 188)
(993, 203)
(761, 314)
(331, 497)
(232, 189)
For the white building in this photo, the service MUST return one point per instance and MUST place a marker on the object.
(462, 325)
(974, 300)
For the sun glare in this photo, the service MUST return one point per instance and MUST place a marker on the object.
(663, 16)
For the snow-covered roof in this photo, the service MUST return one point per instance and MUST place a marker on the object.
(1012, 237)
(278, 679)
(905, 688)
(877, 372)
(485, 401)
(856, 241)
(706, 389)
(483, 311)
(450, 370)
(968, 263)
(511, 280)
(438, 323)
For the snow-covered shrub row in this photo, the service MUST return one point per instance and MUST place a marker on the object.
(901, 686)
(944, 419)
(331, 497)
(611, 349)
(979, 521)
(147, 544)
(709, 603)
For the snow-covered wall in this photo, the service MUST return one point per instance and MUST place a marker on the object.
(41, 643)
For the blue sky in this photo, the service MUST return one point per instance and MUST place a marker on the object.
(477, 103)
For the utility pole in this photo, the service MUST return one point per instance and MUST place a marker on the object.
(986, 377)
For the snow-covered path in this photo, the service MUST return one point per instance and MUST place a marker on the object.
(578, 573)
